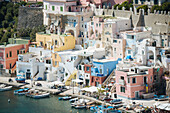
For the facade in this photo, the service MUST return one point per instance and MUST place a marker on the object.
(9, 55)
(148, 2)
(132, 82)
(100, 70)
(55, 42)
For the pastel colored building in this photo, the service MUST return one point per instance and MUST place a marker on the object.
(100, 70)
(133, 82)
(55, 42)
(148, 2)
(63, 16)
(9, 55)
(132, 36)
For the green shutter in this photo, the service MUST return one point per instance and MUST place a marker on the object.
(46, 7)
(158, 69)
(53, 8)
(61, 8)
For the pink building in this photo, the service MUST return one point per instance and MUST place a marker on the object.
(96, 28)
(132, 83)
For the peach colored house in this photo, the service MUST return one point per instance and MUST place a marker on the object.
(9, 55)
(96, 28)
(133, 82)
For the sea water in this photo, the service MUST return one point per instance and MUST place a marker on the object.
(23, 104)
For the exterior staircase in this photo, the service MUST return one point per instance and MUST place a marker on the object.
(35, 74)
(72, 76)
(113, 89)
(108, 79)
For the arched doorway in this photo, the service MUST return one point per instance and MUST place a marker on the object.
(69, 9)
(71, 31)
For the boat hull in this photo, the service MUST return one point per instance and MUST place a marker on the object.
(6, 88)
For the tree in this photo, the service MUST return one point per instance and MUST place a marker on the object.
(5, 37)
(4, 24)
(3, 10)
(145, 7)
(23, 3)
(8, 17)
(115, 6)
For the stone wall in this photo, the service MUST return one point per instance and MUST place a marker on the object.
(30, 17)
(159, 21)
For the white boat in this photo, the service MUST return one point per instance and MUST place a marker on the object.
(40, 95)
(73, 100)
(80, 106)
(5, 88)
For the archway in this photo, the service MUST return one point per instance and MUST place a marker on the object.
(71, 31)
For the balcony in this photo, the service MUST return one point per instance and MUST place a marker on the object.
(121, 82)
(99, 75)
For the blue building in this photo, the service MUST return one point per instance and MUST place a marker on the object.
(100, 70)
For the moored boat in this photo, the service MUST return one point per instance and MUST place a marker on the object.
(21, 91)
(20, 79)
(80, 106)
(73, 100)
(40, 95)
(64, 98)
(5, 88)
(116, 101)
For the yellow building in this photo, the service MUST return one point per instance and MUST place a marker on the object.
(55, 42)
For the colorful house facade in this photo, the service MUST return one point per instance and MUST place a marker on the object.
(132, 83)
(100, 70)
(55, 42)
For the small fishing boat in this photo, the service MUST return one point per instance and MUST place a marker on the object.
(21, 91)
(64, 98)
(40, 95)
(73, 100)
(114, 111)
(20, 79)
(160, 97)
(116, 101)
(3, 87)
(80, 106)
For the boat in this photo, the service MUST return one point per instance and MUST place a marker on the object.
(3, 87)
(20, 79)
(116, 101)
(40, 95)
(21, 91)
(160, 97)
(80, 106)
(73, 100)
(64, 98)
(114, 111)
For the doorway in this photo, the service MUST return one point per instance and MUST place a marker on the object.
(136, 94)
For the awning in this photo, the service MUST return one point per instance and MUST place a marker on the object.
(77, 80)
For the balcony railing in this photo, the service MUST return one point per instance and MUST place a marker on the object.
(100, 75)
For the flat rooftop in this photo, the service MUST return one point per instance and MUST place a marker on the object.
(9, 45)
(104, 60)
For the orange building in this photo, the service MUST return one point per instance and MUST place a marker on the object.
(9, 55)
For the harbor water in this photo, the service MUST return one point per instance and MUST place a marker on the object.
(23, 104)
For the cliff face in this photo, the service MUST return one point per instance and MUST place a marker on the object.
(30, 17)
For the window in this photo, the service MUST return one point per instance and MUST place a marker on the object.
(7, 55)
(122, 89)
(132, 36)
(129, 51)
(24, 51)
(114, 49)
(85, 26)
(86, 75)
(53, 8)
(100, 71)
(48, 61)
(61, 8)
(10, 54)
(55, 42)
(10, 65)
(87, 69)
(151, 79)
(107, 39)
(99, 24)
(82, 26)
(155, 77)
(79, 67)
(81, 18)
(133, 80)
(55, 55)
(142, 52)
(96, 25)
(145, 80)
(21, 52)
(128, 80)
(91, 23)
(71, 58)
(122, 78)
(40, 53)
(55, 63)
(114, 41)
(17, 52)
